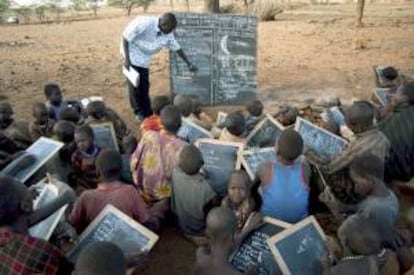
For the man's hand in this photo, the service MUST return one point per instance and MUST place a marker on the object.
(193, 68)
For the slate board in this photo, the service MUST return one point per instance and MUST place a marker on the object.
(221, 118)
(382, 81)
(266, 131)
(114, 226)
(299, 249)
(382, 95)
(251, 159)
(220, 160)
(190, 132)
(320, 140)
(255, 251)
(224, 48)
(105, 136)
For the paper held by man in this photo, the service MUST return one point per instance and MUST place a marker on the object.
(132, 75)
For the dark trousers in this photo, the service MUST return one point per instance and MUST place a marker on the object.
(139, 96)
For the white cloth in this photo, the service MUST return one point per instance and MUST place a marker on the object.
(145, 39)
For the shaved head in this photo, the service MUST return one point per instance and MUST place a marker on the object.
(221, 224)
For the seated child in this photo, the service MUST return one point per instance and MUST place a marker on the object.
(129, 144)
(42, 126)
(55, 102)
(184, 104)
(235, 128)
(191, 192)
(109, 191)
(285, 181)
(17, 131)
(287, 115)
(19, 252)
(84, 174)
(70, 114)
(154, 121)
(7, 147)
(198, 116)
(255, 110)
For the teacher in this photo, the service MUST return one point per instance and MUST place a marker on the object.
(143, 37)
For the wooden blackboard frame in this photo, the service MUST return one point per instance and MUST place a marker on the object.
(260, 125)
(239, 145)
(109, 125)
(251, 152)
(286, 233)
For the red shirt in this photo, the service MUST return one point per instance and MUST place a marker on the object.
(124, 197)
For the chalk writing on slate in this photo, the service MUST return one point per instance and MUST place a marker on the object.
(105, 136)
(220, 160)
(252, 159)
(224, 48)
(254, 250)
(382, 95)
(299, 249)
(266, 133)
(114, 226)
(190, 132)
(324, 143)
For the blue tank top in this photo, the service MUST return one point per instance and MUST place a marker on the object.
(286, 196)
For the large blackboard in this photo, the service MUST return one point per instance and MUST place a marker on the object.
(190, 132)
(252, 159)
(220, 160)
(254, 250)
(105, 136)
(224, 48)
(324, 143)
(114, 226)
(299, 249)
(265, 133)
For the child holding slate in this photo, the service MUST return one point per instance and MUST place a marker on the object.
(17, 131)
(55, 102)
(42, 126)
(235, 128)
(255, 110)
(153, 122)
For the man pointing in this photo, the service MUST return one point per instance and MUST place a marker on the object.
(143, 37)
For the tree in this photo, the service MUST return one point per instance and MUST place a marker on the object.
(95, 6)
(40, 11)
(23, 11)
(359, 13)
(129, 5)
(4, 5)
(212, 6)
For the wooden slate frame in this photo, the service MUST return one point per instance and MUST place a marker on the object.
(286, 233)
(109, 125)
(250, 152)
(201, 129)
(381, 81)
(239, 145)
(260, 125)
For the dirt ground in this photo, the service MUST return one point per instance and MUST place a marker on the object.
(310, 52)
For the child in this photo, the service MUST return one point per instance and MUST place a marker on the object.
(83, 159)
(55, 102)
(19, 252)
(235, 128)
(42, 126)
(285, 181)
(199, 117)
(72, 115)
(191, 193)
(184, 104)
(129, 144)
(17, 131)
(287, 115)
(154, 121)
(109, 191)
(239, 199)
(255, 110)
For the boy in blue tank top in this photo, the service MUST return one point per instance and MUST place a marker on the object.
(285, 180)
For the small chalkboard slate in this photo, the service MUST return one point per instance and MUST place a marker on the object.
(190, 132)
(299, 249)
(254, 250)
(220, 160)
(382, 95)
(323, 142)
(221, 118)
(105, 136)
(252, 159)
(265, 133)
(114, 226)
(382, 81)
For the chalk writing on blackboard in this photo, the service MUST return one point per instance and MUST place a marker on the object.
(252, 159)
(266, 133)
(190, 132)
(105, 136)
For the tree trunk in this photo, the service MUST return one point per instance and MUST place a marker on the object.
(129, 10)
(212, 6)
(359, 13)
(172, 4)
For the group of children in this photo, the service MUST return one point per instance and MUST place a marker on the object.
(158, 178)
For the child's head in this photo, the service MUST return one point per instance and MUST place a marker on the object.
(289, 145)
(84, 138)
(365, 171)
(159, 102)
(70, 114)
(129, 144)
(171, 119)
(196, 106)
(6, 114)
(101, 258)
(406, 92)
(238, 188)
(64, 131)
(287, 115)
(221, 224)
(109, 165)
(53, 94)
(359, 236)
(184, 103)
(360, 117)
(236, 123)
(390, 73)
(255, 108)
(96, 109)
(190, 160)
(40, 113)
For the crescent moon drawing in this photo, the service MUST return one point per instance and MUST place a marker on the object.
(223, 44)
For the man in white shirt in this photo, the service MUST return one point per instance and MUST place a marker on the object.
(142, 38)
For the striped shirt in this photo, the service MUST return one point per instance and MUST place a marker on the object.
(145, 39)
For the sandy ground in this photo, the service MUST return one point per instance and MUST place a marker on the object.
(310, 52)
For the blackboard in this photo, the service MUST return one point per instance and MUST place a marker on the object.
(190, 132)
(299, 249)
(224, 48)
(251, 159)
(323, 142)
(43, 150)
(382, 95)
(114, 226)
(265, 133)
(105, 136)
(220, 160)
(382, 81)
(255, 251)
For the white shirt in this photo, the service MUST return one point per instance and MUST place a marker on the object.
(145, 39)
